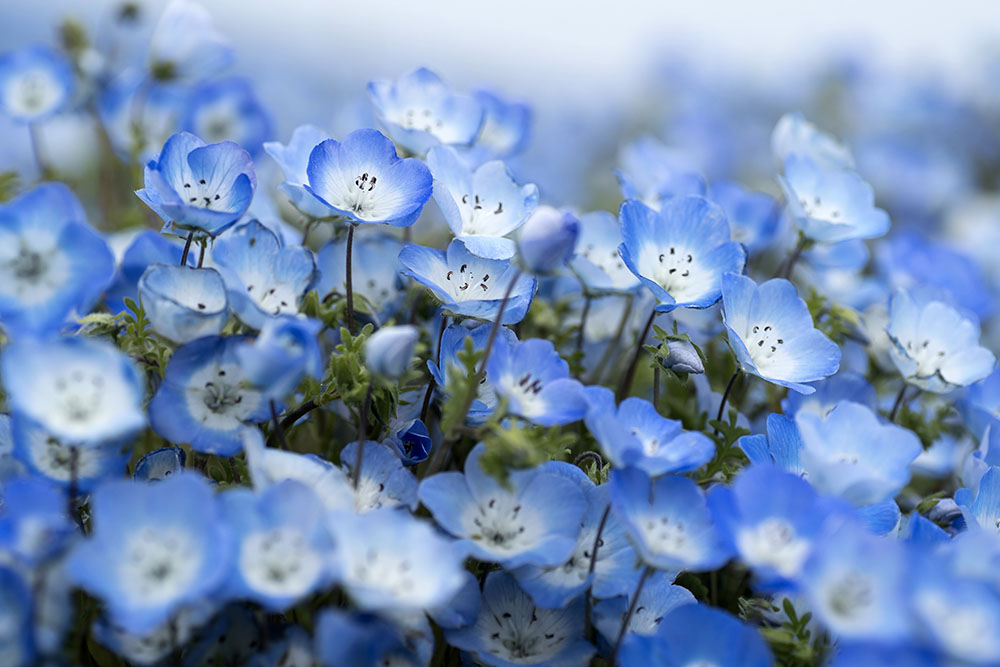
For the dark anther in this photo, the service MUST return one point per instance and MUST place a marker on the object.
(499, 209)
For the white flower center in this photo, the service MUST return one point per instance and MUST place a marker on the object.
(773, 542)
(523, 638)
(217, 397)
(818, 209)
(158, 564)
(279, 562)
(476, 211)
(763, 342)
(466, 283)
(33, 92)
(500, 525)
(849, 595)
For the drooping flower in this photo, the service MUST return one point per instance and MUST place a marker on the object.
(184, 303)
(681, 252)
(199, 187)
(481, 206)
(772, 334)
(35, 83)
(362, 179)
(546, 241)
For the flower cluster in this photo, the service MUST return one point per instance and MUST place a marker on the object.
(376, 397)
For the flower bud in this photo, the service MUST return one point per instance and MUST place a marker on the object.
(547, 239)
(389, 350)
(682, 358)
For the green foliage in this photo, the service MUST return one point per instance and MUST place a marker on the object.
(346, 370)
(729, 458)
(10, 185)
(793, 643)
(460, 384)
(517, 445)
(137, 339)
(929, 430)
(837, 321)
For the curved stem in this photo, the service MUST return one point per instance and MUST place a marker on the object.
(789, 264)
(201, 255)
(628, 614)
(626, 382)
(725, 395)
(278, 432)
(187, 248)
(583, 322)
(362, 432)
(591, 455)
(349, 278)
(593, 565)
(613, 344)
(898, 403)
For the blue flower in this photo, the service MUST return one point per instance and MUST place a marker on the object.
(51, 457)
(773, 519)
(227, 110)
(364, 180)
(653, 173)
(533, 520)
(185, 46)
(35, 83)
(159, 464)
(831, 204)
(139, 116)
(389, 561)
(153, 549)
(615, 568)
(16, 619)
(453, 342)
(412, 441)
(419, 111)
(681, 252)
(284, 549)
(547, 240)
(682, 357)
(842, 386)
(183, 303)
(34, 526)
(376, 258)
(658, 597)
(981, 404)
(960, 614)
(293, 159)
(51, 263)
(264, 279)
(82, 390)
(384, 480)
(634, 434)
(696, 634)
(469, 285)
(205, 399)
(856, 584)
(794, 135)
(934, 346)
(772, 334)
(286, 351)
(510, 630)
(754, 217)
(344, 638)
(535, 382)
(146, 248)
(199, 187)
(668, 521)
(389, 350)
(505, 131)
(481, 206)
(596, 260)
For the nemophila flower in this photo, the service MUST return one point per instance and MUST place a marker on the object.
(420, 111)
(205, 398)
(682, 358)
(138, 116)
(483, 205)
(697, 634)
(772, 335)
(153, 646)
(51, 261)
(268, 466)
(469, 285)
(183, 303)
(185, 46)
(983, 512)
(961, 616)
(596, 260)
(362, 179)
(227, 110)
(615, 567)
(153, 549)
(658, 597)
(856, 584)
(934, 346)
(160, 464)
(681, 252)
(348, 638)
(980, 406)
(81, 390)
(16, 619)
(384, 480)
(199, 187)
(668, 521)
(35, 83)
(389, 350)
(533, 520)
(511, 630)
(535, 382)
(293, 158)
(145, 249)
(772, 518)
(375, 264)
(842, 386)
(282, 547)
(453, 342)
(754, 217)
(389, 561)
(794, 135)
(51, 457)
(831, 204)
(34, 524)
(282, 355)
(264, 279)
(411, 440)
(547, 240)
(505, 130)
(233, 636)
(653, 173)
(634, 434)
